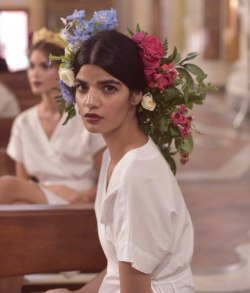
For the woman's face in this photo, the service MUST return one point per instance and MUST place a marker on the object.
(42, 78)
(103, 100)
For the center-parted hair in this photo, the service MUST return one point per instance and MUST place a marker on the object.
(115, 53)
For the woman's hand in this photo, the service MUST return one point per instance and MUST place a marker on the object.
(71, 195)
(65, 192)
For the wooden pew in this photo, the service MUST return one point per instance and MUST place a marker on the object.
(47, 239)
(18, 83)
(7, 165)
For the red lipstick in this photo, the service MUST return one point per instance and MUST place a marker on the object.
(92, 117)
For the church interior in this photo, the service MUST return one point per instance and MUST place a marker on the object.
(216, 180)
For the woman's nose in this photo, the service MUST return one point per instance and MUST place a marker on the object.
(91, 99)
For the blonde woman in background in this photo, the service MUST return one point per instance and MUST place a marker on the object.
(54, 164)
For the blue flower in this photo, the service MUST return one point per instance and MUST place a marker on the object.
(76, 15)
(66, 93)
(105, 19)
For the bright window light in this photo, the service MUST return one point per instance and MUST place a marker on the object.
(14, 38)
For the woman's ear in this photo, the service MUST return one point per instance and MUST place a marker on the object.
(135, 98)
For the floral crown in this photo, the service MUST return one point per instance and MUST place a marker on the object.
(45, 35)
(174, 85)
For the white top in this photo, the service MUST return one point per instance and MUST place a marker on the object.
(66, 158)
(142, 218)
(9, 106)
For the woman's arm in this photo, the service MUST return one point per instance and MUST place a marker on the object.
(74, 196)
(91, 287)
(132, 280)
(21, 171)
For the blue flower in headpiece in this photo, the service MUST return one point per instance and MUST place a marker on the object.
(105, 19)
(66, 93)
(77, 14)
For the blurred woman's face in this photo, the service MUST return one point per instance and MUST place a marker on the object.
(42, 77)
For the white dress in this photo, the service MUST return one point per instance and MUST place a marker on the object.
(65, 158)
(142, 219)
(9, 106)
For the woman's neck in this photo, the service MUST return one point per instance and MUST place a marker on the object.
(48, 104)
(120, 142)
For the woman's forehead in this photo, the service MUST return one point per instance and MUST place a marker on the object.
(91, 72)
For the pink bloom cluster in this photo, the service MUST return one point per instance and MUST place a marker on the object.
(184, 122)
(151, 51)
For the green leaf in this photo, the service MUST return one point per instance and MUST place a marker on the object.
(196, 70)
(190, 56)
(138, 29)
(163, 125)
(71, 114)
(130, 32)
(172, 164)
(165, 45)
(177, 58)
(170, 58)
(186, 146)
(174, 132)
(186, 75)
(190, 140)
(171, 93)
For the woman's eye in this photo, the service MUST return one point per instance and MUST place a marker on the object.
(81, 87)
(31, 66)
(45, 66)
(109, 89)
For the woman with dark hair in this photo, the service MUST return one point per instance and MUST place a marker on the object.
(55, 163)
(143, 223)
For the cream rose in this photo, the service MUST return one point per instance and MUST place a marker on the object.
(67, 76)
(148, 102)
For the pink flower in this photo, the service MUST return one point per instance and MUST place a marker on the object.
(169, 72)
(158, 81)
(151, 49)
(138, 37)
(179, 118)
(185, 132)
(182, 108)
(149, 72)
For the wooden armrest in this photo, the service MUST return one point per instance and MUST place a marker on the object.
(46, 239)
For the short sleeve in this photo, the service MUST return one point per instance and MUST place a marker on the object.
(15, 145)
(142, 225)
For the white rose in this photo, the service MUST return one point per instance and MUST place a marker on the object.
(148, 102)
(67, 76)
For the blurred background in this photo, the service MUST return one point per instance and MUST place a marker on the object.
(215, 182)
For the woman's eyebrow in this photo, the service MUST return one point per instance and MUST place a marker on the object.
(80, 81)
(109, 81)
(100, 82)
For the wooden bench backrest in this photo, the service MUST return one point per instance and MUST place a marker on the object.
(7, 165)
(47, 239)
(18, 83)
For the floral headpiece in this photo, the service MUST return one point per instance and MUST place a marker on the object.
(174, 85)
(47, 36)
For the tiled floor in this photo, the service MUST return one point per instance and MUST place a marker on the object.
(216, 186)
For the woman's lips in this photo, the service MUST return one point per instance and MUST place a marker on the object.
(37, 83)
(92, 117)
